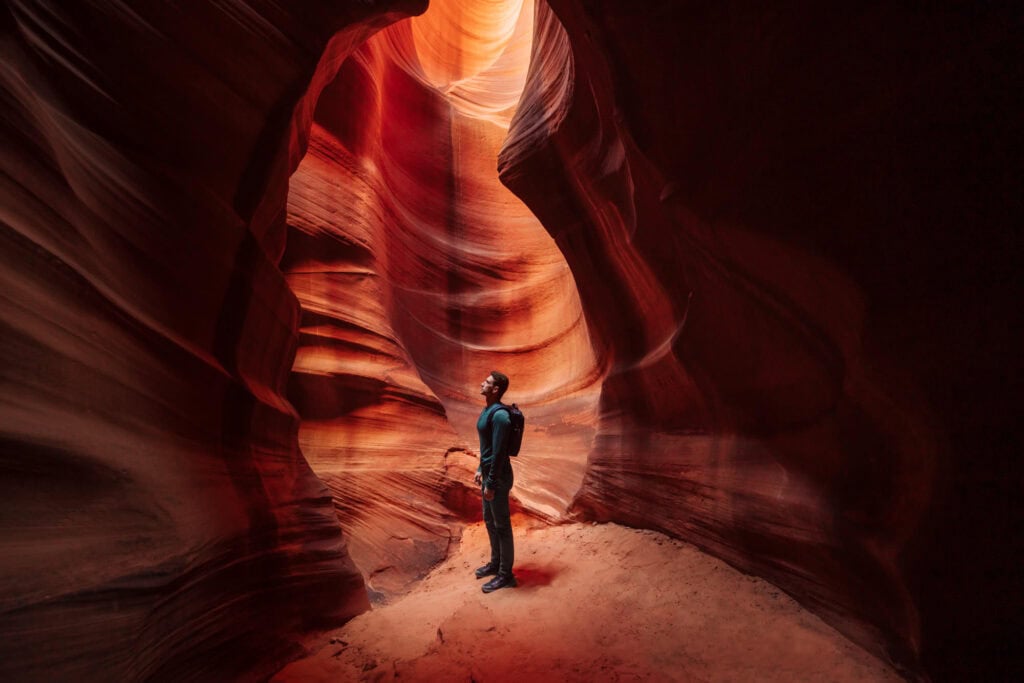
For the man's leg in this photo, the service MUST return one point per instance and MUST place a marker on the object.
(492, 534)
(502, 521)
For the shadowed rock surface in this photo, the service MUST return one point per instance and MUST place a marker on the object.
(159, 521)
(756, 288)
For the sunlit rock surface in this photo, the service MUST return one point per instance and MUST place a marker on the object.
(770, 306)
(371, 430)
(418, 273)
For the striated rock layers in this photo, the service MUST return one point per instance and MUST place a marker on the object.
(772, 310)
(159, 521)
(418, 272)
(790, 234)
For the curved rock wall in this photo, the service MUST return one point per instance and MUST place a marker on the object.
(371, 430)
(761, 209)
(773, 309)
(418, 273)
(159, 521)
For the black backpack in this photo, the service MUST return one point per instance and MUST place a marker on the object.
(518, 420)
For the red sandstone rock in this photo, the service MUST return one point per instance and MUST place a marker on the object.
(371, 430)
(416, 268)
(742, 197)
(777, 317)
(159, 521)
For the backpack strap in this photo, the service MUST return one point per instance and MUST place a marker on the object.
(501, 406)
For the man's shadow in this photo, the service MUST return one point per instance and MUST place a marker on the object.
(534, 576)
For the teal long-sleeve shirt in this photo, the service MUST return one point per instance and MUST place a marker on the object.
(495, 467)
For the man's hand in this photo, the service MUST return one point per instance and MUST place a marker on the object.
(477, 479)
(488, 494)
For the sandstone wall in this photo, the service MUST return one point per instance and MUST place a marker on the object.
(159, 521)
(791, 233)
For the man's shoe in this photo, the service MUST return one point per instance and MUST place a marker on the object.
(499, 581)
(486, 570)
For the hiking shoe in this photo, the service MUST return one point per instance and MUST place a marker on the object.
(499, 581)
(486, 570)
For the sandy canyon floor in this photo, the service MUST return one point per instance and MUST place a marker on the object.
(594, 603)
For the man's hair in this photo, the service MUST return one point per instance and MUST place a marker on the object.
(500, 381)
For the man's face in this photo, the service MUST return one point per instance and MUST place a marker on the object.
(487, 386)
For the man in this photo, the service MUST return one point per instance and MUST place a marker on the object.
(495, 476)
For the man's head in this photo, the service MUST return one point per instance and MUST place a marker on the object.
(495, 385)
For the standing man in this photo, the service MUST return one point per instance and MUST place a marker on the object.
(495, 475)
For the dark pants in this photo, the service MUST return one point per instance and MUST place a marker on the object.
(498, 521)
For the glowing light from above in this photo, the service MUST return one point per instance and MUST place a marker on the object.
(477, 52)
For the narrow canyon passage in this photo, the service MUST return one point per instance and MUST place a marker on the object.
(753, 271)
(418, 272)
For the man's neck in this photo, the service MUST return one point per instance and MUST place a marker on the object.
(492, 400)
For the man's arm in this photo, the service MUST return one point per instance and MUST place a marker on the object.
(501, 427)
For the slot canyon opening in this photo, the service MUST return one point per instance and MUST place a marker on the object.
(418, 272)
(792, 340)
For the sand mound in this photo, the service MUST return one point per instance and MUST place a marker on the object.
(594, 603)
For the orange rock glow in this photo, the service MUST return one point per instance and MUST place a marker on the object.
(753, 273)
(419, 272)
